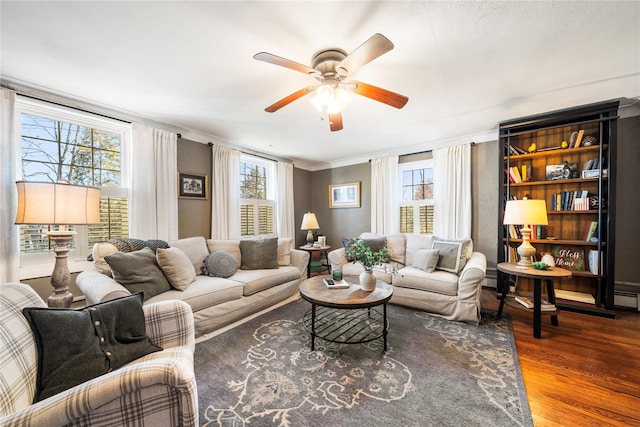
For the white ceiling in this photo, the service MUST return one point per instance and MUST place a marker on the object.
(465, 66)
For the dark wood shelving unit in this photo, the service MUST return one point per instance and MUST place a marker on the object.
(547, 131)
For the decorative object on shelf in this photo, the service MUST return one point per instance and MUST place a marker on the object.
(548, 259)
(565, 170)
(310, 223)
(59, 204)
(539, 265)
(569, 257)
(594, 262)
(525, 212)
(589, 140)
(344, 195)
(359, 252)
(532, 148)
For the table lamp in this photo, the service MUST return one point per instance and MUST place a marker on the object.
(309, 222)
(60, 204)
(525, 212)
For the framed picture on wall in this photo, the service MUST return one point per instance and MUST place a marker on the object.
(344, 195)
(192, 186)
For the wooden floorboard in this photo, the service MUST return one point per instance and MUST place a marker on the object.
(585, 372)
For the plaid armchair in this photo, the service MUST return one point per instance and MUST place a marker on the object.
(156, 390)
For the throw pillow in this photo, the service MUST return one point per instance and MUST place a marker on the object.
(346, 242)
(259, 253)
(75, 346)
(138, 271)
(453, 253)
(99, 251)
(176, 267)
(220, 264)
(195, 248)
(284, 251)
(232, 247)
(426, 259)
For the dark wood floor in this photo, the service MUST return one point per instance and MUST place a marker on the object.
(585, 372)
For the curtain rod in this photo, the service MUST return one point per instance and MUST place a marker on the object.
(253, 153)
(472, 143)
(73, 108)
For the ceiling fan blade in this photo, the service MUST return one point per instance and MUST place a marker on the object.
(288, 99)
(376, 46)
(283, 62)
(335, 121)
(382, 95)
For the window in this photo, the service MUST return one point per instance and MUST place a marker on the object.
(79, 148)
(416, 197)
(257, 196)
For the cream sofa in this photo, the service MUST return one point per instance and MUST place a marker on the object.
(215, 301)
(453, 295)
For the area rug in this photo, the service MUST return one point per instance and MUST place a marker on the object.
(434, 373)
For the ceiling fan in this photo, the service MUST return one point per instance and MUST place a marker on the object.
(332, 68)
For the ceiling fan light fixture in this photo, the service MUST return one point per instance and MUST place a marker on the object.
(328, 99)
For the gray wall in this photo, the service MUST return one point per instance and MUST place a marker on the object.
(194, 216)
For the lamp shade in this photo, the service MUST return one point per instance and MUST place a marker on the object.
(309, 222)
(57, 204)
(527, 211)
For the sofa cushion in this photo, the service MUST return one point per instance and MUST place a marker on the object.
(204, 292)
(176, 266)
(453, 253)
(426, 259)
(258, 280)
(440, 282)
(195, 248)
(284, 251)
(231, 247)
(259, 253)
(220, 264)
(99, 251)
(416, 242)
(75, 346)
(138, 272)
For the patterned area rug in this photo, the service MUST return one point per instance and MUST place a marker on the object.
(435, 373)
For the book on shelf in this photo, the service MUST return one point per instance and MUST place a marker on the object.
(527, 302)
(589, 230)
(575, 296)
(579, 138)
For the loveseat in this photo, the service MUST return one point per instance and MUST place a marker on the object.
(215, 301)
(156, 389)
(440, 276)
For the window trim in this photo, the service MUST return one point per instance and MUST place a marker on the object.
(271, 176)
(41, 264)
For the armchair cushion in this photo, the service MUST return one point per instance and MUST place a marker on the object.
(75, 346)
(138, 272)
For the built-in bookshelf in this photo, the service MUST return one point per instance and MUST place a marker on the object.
(566, 158)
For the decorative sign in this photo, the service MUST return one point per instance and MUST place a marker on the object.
(569, 257)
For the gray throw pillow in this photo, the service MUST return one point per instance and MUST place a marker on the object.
(259, 253)
(426, 259)
(138, 271)
(220, 264)
(75, 346)
(453, 253)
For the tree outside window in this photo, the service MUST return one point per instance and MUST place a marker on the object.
(257, 205)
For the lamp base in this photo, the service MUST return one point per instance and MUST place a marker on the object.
(310, 238)
(60, 278)
(526, 250)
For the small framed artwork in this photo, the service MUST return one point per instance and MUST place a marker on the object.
(192, 186)
(344, 195)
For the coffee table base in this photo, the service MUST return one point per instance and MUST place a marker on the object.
(346, 326)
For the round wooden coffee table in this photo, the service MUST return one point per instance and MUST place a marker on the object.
(347, 315)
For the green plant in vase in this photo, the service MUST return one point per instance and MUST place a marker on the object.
(359, 252)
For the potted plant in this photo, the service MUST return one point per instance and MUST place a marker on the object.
(359, 252)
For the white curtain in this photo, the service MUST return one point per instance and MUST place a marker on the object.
(284, 201)
(154, 184)
(225, 193)
(9, 158)
(384, 195)
(452, 192)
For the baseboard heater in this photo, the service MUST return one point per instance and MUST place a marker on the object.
(627, 295)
